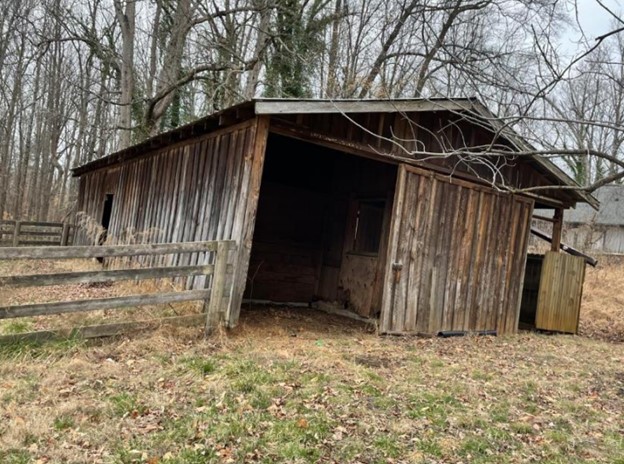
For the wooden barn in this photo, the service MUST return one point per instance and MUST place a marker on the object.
(339, 202)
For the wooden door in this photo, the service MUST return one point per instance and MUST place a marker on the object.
(560, 292)
(456, 256)
(365, 242)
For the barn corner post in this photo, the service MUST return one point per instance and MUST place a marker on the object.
(246, 220)
(392, 272)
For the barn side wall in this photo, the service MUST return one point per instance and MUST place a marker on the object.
(202, 189)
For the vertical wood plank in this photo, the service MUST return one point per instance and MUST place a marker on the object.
(389, 274)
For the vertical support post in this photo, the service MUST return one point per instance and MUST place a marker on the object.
(557, 229)
(212, 307)
(16, 233)
(65, 234)
(245, 219)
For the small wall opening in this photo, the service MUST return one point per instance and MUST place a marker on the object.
(107, 212)
(368, 226)
(321, 227)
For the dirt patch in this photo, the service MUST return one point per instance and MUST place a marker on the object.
(295, 322)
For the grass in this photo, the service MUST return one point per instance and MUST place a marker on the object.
(332, 393)
(259, 395)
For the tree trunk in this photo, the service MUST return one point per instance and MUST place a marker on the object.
(126, 16)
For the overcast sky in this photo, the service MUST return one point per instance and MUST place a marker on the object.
(594, 20)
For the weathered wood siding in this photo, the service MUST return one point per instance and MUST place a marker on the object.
(456, 258)
(560, 292)
(202, 189)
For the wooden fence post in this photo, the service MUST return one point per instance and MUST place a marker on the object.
(16, 232)
(65, 234)
(212, 307)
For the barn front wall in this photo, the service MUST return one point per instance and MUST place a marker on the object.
(198, 190)
(456, 258)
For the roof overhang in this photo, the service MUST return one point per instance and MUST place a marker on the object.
(293, 106)
(522, 144)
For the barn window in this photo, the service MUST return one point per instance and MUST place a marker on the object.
(368, 225)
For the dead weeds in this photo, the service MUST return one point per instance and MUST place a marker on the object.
(602, 310)
(21, 296)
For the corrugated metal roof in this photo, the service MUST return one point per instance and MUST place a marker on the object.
(610, 213)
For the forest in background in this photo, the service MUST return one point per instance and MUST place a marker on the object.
(81, 79)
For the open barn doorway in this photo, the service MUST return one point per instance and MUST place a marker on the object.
(321, 228)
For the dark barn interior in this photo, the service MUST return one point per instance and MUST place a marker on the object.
(530, 291)
(321, 227)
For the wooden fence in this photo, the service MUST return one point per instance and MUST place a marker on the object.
(213, 297)
(29, 233)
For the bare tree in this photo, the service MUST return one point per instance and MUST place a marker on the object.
(79, 80)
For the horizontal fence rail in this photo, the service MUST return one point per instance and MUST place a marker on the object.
(47, 309)
(91, 277)
(213, 297)
(109, 251)
(29, 233)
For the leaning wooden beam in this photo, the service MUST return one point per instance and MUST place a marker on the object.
(543, 218)
(107, 251)
(46, 309)
(214, 305)
(16, 233)
(568, 249)
(103, 330)
(67, 278)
